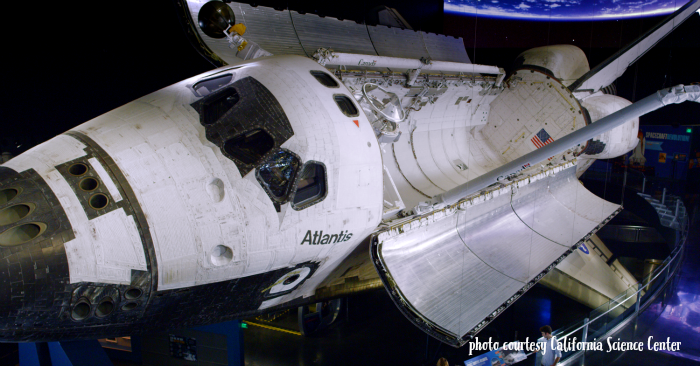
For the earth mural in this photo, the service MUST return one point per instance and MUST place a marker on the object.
(564, 10)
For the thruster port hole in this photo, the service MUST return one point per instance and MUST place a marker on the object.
(81, 310)
(132, 293)
(129, 306)
(6, 195)
(99, 201)
(89, 184)
(21, 234)
(77, 169)
(104, 308)
(14, 213)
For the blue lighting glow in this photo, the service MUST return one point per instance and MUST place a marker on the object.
(545, 311)
(564, 10)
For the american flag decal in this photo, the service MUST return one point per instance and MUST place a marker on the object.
(541, 138)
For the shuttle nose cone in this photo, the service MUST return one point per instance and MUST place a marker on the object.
(33, 265)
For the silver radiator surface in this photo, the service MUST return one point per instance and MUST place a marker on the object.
(451, 275)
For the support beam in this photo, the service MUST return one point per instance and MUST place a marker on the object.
(349, 59)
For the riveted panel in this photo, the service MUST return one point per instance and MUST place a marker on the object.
(88, 195)
(33, 273)
(140, 279)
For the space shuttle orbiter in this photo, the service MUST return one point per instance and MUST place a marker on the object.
(241, 190)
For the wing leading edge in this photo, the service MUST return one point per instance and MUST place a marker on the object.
(612, 68)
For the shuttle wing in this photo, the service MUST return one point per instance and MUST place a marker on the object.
(612, 68)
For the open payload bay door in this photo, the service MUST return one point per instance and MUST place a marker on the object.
(454, 270)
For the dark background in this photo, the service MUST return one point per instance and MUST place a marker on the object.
(68, 62)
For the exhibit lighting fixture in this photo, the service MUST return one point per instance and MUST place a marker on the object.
(689, 130)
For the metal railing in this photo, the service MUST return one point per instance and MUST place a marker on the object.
(611, 317)
(634, 179)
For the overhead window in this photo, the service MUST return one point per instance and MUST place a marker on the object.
(346, 105)
(324, 79)
(208, 86)
(311, 187)
(277, 174)
(216, 106)
(245, 120)
(250, 146)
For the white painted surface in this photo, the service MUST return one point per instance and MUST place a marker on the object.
(532, 103)
(106, 179)
(591, 269)
(280, 285)
(117, 241)
(43, 158)
(195, 199)
(476, 124)
(404, 63)
(437, 132)
(105, 249)
(566, 62)
(620, 140)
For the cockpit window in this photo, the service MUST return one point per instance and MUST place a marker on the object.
(346, 105)
(311, 187)
(208, 86)
(277, 174)
(215, 107)
(245, 120)
(250, 146)
(324, 79)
